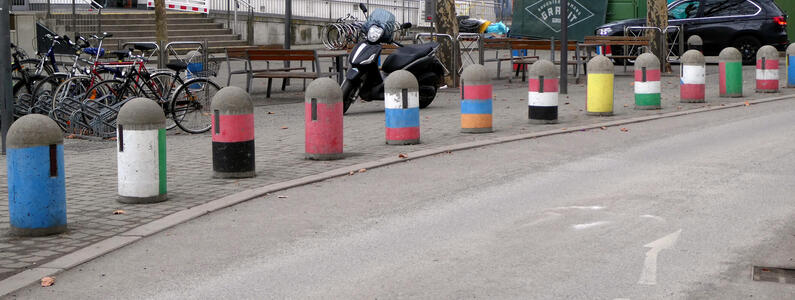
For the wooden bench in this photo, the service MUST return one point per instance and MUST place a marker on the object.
(632, 41)
(241, 54)
(523, 61)
(286, 55)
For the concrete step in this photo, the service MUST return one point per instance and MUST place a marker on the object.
(151, 27)
(149, 16)
(112, 45)
(139, 21)
(185, 38)
(193, 32)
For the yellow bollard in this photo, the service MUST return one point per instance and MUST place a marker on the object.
(599, 101)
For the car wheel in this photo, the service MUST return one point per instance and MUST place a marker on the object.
(748, 46)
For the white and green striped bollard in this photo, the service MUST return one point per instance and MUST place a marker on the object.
(647, 82)
(141, 139)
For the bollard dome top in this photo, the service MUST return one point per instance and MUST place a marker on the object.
(695, 40)
(401, 79)
(767, 52)
(34, 130)
(730, 54)
(647, 60)
(232, 100)
(475, 74)
(693, 57)
(600, 64)
(141, 114)
(544, 68)
(791, 49)
(325, 89)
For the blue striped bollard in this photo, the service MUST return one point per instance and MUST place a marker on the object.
(402, 109)
(36, 184)
(476, 102)
(141, 139)
(542, 94)
(791, 66)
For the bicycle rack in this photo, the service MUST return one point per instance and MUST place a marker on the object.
(154, 51)
(202, 48)
(468, 44)
(435, 36)
(637, 31)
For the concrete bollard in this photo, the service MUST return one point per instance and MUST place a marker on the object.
(647, 82)
(476, 102)
(141, 139)
(323, 118)
(599, 96)
(767, 70)
(694, 42)
(542, 95)
(692, 84)
(730, 63)
(791, 66)
(233, 134)
(402, 105)
(36, 184)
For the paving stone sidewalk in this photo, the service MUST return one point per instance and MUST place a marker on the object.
(91, 165)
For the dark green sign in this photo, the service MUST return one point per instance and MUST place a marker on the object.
(542, 19)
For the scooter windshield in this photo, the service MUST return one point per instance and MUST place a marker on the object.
(384, 19)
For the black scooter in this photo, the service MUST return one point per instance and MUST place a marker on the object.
(363, 78)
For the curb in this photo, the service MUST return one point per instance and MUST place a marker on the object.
(31, 276)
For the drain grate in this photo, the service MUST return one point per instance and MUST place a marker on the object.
(773, 274)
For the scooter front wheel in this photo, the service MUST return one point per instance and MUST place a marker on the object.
(350, 91)
(427, 94)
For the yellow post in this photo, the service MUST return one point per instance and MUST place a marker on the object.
(599, 99)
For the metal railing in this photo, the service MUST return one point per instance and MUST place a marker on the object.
(84, 16)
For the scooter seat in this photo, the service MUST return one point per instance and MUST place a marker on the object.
(403, 56)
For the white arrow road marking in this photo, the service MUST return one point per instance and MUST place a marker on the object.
(649, 274)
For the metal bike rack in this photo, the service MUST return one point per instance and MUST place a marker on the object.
(202, 48)
(663, 35)
(435, 36)
(469, 43)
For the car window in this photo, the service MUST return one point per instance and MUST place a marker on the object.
(684, 10)
(723, 8)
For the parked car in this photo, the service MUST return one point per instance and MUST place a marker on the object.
(744, 24)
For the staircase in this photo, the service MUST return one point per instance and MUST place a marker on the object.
(139, 26)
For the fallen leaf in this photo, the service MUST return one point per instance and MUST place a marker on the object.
(678, 107)
(350, 173)
(566, 103)
(564, 128)
(747, 103)
(626, 105)
(624, 130)
(604, 128)
(401, 155)
(270, 112)
(722, 104)
(284, 127)
(281, 196)
(119, 212)
(47, 281)
(362, 170)
(71, 136)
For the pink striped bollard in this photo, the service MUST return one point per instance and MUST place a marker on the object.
(767, 70)
(323, 120)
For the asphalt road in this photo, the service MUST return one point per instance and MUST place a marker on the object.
(674, 208)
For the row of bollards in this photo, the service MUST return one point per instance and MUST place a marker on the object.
(36, 184)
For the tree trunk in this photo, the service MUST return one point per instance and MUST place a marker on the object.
(161, 28)
(446, 23)
(657, 16)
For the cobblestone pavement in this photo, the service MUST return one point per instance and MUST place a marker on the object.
(91, 165)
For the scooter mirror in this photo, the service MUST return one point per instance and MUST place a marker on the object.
(363, 7)
(406, 25)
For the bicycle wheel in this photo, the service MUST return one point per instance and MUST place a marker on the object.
(66, 100)
(164, 87)
(44, 90)
(190, 106)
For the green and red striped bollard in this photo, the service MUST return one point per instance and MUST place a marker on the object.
(731, 73)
